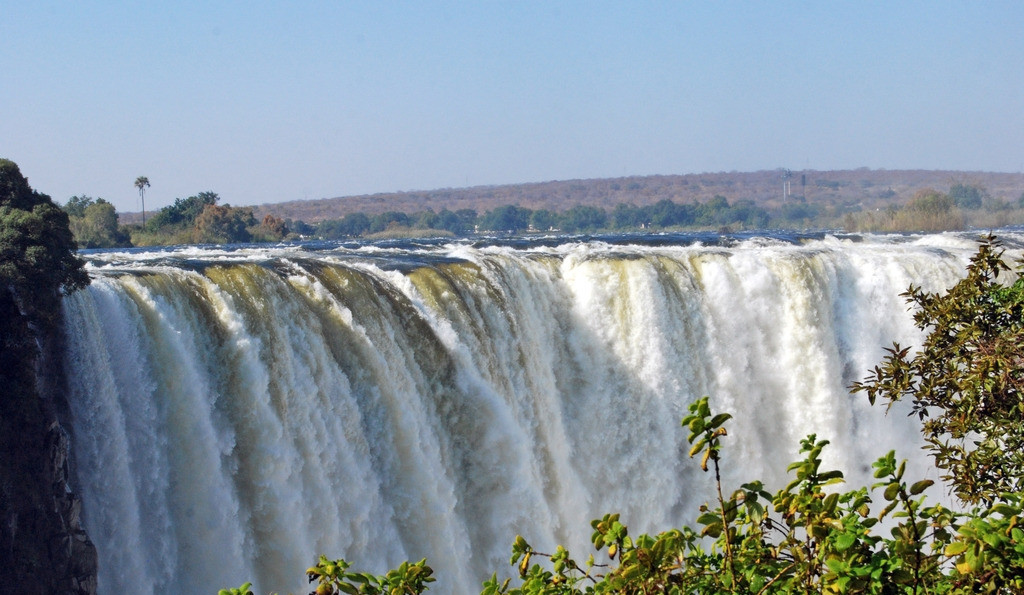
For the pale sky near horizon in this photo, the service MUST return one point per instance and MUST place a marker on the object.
(272, 101)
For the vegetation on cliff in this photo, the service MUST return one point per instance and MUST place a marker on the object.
(37, 250)
(812, 535)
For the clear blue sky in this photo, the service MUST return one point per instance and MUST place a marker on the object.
(271, 101)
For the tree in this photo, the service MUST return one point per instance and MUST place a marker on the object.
(142, 182)
(468, 217)
(37, 250)
(184, 212)
(508, 218)
(931, 201)
(966, 196)
(354, 224)
(714, 212)
(299, 226)
(666, 213)
(76, 205)
(272, 229)
(424, 220)
(223, 225)
(966, 383)
(388, 220)
(928, 210)
(798, 211)
(748, 214)
(331, 229)
(543, 220)
(450, 221)
(97, 226)
(583, 218)
(628, 215)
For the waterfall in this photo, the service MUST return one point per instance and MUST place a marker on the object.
(237, 413)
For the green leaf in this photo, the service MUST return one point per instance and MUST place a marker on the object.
(1004, 509)
(713, 530)
(829, 476)
(836, 564)
(920, 486)
(719, 419)
(708, 518)
(845, 540)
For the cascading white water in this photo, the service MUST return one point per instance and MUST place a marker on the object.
(237, 413)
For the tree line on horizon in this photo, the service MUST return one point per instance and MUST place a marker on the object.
(200, 219)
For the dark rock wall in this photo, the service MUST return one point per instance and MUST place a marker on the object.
(43, 547)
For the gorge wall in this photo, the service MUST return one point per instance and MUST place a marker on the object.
(237, 413)
(43, 548)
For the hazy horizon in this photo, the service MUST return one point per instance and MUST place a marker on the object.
(266, 104)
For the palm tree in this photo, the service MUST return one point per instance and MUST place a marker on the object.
(142, 182)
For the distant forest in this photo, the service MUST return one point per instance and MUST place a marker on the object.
(867, 189)
(851, 200)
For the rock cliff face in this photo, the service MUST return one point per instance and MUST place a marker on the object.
(72, 554)
(43, 547)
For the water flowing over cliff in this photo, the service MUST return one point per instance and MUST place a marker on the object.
(238, 412)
